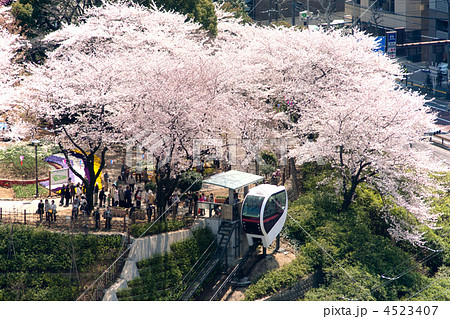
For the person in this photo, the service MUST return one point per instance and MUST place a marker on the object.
(151, 201)
(116, 197)
(107, 216)
(138, 172)
(53, 211)
(201, 199)
(124, 171)
(75, 206)
(67, 195)
(121, 197)
(132, 214)
(83, 205)
(138, 197)
(127, 195)
(196, 197)
(47, 210)
(101, 197)
(40, 210)
(97, 218)
(62, 193)
(79, 189)
(145, 176)
(131, 181)
(149, 213)
(105, 181)
(72, 191)
(211, 206)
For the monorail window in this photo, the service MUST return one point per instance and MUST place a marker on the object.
(252, 206)
(275, 204)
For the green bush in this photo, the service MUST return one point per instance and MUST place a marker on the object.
(190, 181)
(150, 186)
(161, 277)
(22, 12)
(137, 230)
(39, 268)
(276, 280)
(358, 241)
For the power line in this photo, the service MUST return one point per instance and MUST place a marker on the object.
(331, 257)
(128, 248)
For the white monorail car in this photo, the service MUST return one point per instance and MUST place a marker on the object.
(264, 212)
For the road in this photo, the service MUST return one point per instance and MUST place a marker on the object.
(443, 112)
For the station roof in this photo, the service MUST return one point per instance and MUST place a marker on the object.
(233, 179)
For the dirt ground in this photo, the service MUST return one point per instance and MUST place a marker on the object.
(6, 192)
(273, 260)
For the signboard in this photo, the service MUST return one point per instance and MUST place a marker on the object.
(380, 45)
(303, 15)
(391, 47)
(59, 176)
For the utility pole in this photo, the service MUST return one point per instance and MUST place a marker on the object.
(294, 12)
(448, 49)
(270, 11)
(307, 13)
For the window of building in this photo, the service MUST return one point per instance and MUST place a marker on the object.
(441, 25)
(384, 5)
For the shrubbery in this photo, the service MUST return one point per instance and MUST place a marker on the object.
(161, 276)
(276, 280)
(365, 263)
(137, 230)
(39, 266)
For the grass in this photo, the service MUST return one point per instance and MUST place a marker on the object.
(28, 191)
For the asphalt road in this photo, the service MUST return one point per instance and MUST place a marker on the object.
(443, 112)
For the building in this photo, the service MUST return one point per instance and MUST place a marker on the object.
(421, 25)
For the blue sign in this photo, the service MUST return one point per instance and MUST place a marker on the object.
(391, 37)
(380, 45)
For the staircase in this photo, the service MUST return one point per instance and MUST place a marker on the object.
(225, 232)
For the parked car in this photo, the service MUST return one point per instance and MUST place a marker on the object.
(443, 68)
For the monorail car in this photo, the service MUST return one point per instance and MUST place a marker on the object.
(264, 212)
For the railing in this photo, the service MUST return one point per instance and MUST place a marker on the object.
(298, 290)
(97, 290)
(120, 221)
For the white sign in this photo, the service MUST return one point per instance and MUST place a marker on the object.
(391, 49)
(59, 176)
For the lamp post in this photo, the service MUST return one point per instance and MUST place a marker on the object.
(35, 143)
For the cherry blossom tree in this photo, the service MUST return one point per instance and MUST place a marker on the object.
(342, 104)
(10, 75)
(130, 75)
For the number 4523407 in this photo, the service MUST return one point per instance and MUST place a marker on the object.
(410, 310)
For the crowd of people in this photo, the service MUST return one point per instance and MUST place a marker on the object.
(129, 192)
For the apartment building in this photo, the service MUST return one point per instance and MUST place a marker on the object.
(422, 25)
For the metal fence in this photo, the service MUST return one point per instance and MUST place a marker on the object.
(120, 222)
(98, 288)
(298, 290)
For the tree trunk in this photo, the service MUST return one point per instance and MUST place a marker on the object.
(294, 178)
(88, 181)
(349, 194)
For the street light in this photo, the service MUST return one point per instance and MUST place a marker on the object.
(35, 143)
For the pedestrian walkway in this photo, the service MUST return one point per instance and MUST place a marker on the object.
(420, 78)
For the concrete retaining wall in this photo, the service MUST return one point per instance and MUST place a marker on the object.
(146, 247)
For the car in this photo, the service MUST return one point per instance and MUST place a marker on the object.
(443, 68)
(433, 132)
